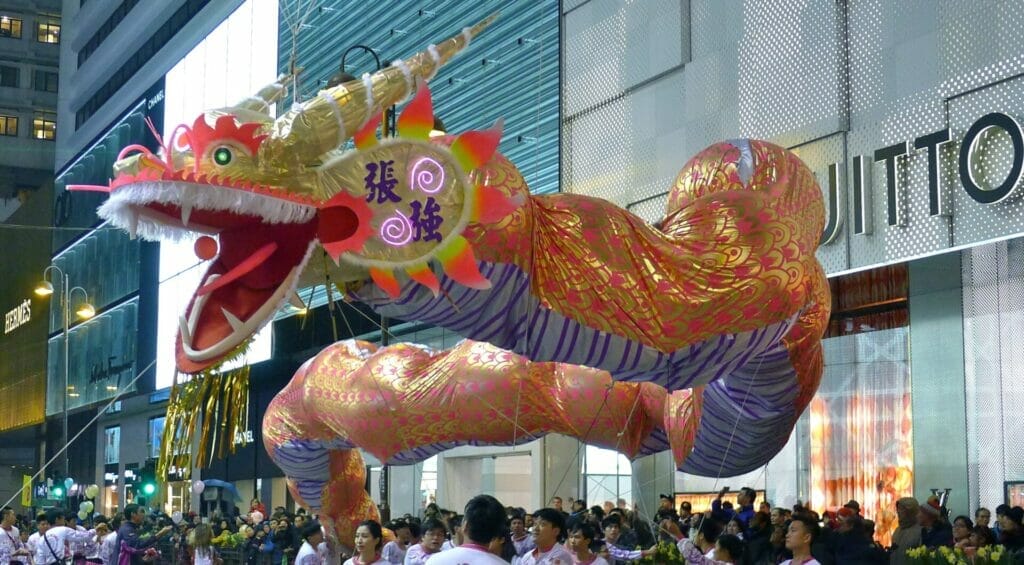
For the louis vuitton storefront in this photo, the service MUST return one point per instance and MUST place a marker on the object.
(909, 117)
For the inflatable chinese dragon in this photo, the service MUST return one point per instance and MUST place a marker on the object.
(701, 334)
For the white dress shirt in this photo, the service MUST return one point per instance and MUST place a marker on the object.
(57, 538)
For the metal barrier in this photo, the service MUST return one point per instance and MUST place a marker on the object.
(173, 554)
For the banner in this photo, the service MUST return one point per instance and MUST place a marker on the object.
(26, 490)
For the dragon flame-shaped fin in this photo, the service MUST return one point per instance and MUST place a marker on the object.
(417, 118)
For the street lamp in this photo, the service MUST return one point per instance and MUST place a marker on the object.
(85, 311)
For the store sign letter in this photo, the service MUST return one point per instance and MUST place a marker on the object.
(20, 315)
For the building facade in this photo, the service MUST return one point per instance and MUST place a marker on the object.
(30, 35)
(907, 113)
(29, 51)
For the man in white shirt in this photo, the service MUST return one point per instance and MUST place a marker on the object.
(802, 532)
(455, 525)
(11, 548)
(109, 549)
(433, 537)
(49, 545)
(483, 522)
(312, 536)
(521, 539)
(79, 550)
(548, 531)
(394, 551)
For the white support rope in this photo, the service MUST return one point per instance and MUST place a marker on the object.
(732, 435)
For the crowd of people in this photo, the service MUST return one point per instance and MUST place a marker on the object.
(139, 536)
(489, 533)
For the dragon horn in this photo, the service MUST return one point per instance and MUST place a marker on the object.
(325, 122)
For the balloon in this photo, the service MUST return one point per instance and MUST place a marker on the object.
(176, 517)
(68, 483)
(198, 487)
(82, 515)
(722, 304)
(256, 517)
(81, 505)
(88, 506)
(637, 418)
(92, 491)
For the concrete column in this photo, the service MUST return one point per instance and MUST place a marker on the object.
(652, 476)
(404, 489)
(937, 379)
(563, 470)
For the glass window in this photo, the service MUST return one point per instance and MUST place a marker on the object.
(10, 27)
(608, 476)
(45, 81)
(102, 358)
(857, 427)
(43, 128)
(9, 76)
(156, 434)
(8, 125)
(112, 445)
(47, 32)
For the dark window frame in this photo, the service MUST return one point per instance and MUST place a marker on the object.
(157, 40)
(17, 76)
(105, 30)
(42, 127)
(49, 78)
(44, 26)
(105, 446)
(5, 125)
(9, 31)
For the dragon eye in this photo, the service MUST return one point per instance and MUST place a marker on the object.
(222, 156)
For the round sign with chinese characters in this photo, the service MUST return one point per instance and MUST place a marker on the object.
(419, 196)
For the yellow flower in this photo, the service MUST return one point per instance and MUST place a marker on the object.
(997, 556)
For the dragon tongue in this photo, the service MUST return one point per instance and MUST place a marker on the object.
(254, 273)
(240, 270)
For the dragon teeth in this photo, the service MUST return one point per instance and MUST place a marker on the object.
(236, 324)
(186, 332)
(186, 213)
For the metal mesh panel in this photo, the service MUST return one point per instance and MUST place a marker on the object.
(622, 132)
(612, 45)
(974, 222)
(873, 71)
(818, 155)
(787, 63)
(993, 289)
(623, 151)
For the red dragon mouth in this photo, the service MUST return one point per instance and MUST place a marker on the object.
(264, 243)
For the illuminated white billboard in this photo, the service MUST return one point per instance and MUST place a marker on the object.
(233, 62)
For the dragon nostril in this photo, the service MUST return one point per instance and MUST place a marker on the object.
(338, 223)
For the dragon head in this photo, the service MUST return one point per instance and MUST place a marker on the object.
(263, 193)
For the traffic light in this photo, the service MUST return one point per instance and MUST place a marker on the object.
(148, 484)
(58, 492)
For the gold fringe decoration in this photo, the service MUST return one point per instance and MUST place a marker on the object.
(215, 404)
